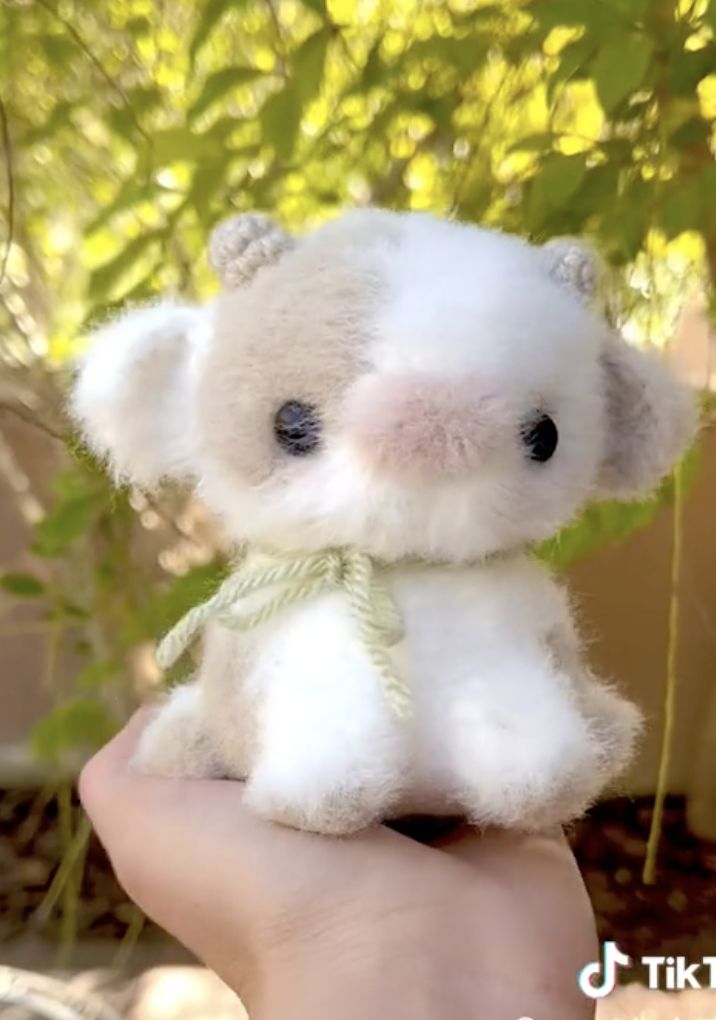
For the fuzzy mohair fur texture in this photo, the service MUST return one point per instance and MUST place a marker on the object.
(426, 348)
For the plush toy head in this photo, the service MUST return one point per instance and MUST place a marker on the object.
(409, 386)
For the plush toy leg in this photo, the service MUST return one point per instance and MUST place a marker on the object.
(175, 744)
(616, 723)
(522, 754)
(332, 755)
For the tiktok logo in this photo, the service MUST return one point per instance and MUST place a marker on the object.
(607, 968)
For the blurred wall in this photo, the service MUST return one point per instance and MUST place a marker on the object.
(624, 592)
(28, 461)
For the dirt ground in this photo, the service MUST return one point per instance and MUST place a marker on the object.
(674, 917)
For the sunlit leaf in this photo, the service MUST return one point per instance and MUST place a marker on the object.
(632, 10)
(317, 6)
(144, 98)
(65, 609)
(540, 141)
(692, 133)
(573, 62)
(599, 17)
(131, 192)
(308, 63)
(620, 68)
(613, 521)
(95, 673)
(138, 26)
(57, 48)
(625, 223)
(206, 182)
(681, 207)
(22, 585)
(687, 67)
(175, 144)
(141, 293)
(212, 13)
(280, 119)
(373, 69)
(170, 603)
(556, 183)
(219, 84)
(60, 117)
(78, 725)
(464, 54)
(105, 277)
(69, 519)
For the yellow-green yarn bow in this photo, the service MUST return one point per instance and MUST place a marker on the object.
(296, 577)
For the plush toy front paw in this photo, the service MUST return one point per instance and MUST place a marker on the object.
(527, 771)
(331, 809)
(531, 797)
(174, 743)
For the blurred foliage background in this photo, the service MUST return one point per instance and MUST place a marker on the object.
(129, 127)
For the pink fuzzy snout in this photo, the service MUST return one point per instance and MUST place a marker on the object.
(422, 425)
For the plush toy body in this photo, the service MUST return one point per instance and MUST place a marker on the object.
(506, 725)
(397, 407)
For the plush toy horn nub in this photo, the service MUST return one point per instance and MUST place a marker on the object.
(576, 265)
(240, 246)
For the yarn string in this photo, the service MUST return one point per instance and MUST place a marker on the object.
(288, 578)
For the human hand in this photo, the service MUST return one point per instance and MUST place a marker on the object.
(490, 926)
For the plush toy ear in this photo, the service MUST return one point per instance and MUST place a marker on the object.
(240, 246)
(651, 420)
(133, 390)
(576, 266)
(650, 416)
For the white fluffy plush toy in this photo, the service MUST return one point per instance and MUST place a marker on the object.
(386, 414)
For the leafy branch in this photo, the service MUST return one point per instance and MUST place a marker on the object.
(97, 64)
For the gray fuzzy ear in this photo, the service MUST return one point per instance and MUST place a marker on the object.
(576, 266)
(241, 245)
(651, 419)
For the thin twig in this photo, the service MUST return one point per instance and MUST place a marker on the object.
(113, 84)
(7, 149)
(26, 415)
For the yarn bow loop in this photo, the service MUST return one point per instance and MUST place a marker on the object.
(286, 579)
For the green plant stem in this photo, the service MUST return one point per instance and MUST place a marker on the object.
(129, 939)
(71, 894)
(71, 888)
(74, 852)
(662, 782)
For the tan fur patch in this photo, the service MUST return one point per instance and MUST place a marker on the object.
(298, 331)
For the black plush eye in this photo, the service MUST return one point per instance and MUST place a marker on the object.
(297, 428)
(540, 436)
